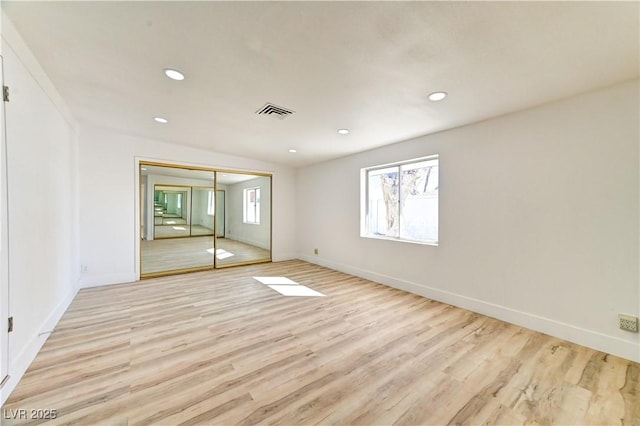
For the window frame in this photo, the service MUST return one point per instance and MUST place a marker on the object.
(364, 199)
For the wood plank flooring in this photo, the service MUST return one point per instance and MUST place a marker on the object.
(218, 347)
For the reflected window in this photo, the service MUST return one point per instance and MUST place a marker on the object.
(252, 205)
(211, 204)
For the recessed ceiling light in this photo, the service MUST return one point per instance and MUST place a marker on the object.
(343, 131)
(293, 151)
(437, 96)
(174, 74)
(161, 120)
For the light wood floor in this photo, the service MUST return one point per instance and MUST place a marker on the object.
(218, 347)
(195, 252)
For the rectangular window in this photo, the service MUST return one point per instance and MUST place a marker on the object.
(251, 205)
(400, 201)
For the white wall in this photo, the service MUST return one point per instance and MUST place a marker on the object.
(108, 176)
(42, 205)
(254, 234)
(539, 219)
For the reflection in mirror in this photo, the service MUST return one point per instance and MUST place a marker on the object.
(176, 224)
(247, 219)
(182, 210)
(171, 216)
(220, 213)
(202, 210)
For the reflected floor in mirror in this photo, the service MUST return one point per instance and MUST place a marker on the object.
(231, 251)
(173, 221)
(184, 253)
(180, 230)
(174, 254)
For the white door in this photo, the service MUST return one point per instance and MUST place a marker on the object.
(4, 239)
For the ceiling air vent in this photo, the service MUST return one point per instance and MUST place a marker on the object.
(275, 111)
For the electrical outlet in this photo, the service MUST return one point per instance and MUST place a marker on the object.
(315, 251)
(628, 323)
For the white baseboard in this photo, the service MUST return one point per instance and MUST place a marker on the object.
(21, 363)
(281, 257)
(249, 241)
(589, 338)
(87, 281)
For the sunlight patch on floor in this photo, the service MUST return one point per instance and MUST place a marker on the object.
(287, 287)
(275, 280)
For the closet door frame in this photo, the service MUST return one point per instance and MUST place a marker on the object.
(142, 162)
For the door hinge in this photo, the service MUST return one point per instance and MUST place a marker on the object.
(5, 93)
(10, 324)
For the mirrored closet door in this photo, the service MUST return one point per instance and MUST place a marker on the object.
(198, 219)
(246, 236)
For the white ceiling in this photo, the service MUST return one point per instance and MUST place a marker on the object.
(366, 66)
